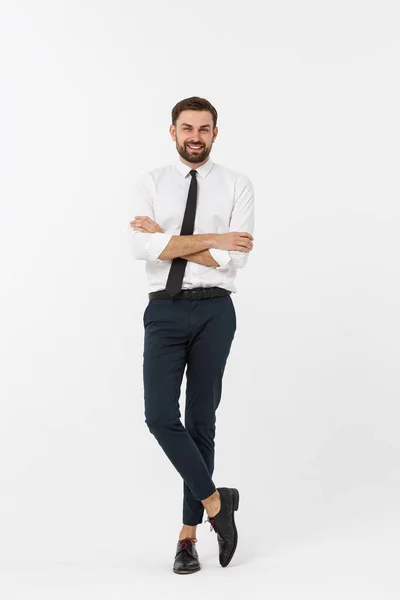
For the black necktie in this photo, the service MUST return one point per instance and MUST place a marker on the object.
(177, 270)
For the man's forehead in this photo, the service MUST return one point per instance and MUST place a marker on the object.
(204, 118)
(202, 125)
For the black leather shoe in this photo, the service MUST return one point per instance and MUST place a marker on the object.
(223, 524)
(186, 558)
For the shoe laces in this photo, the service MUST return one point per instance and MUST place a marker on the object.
(211, 520)
(185, 542)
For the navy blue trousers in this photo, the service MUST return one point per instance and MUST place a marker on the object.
(196, 335)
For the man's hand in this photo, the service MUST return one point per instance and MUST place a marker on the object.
(145, 225)
(234, 240)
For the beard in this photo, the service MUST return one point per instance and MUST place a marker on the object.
(192, 156)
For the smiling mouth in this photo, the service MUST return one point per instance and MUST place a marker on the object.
(194, 148)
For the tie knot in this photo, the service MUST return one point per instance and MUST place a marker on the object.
(193, 172)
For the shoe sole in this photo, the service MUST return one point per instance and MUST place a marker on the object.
(186, 572)
(235, 506)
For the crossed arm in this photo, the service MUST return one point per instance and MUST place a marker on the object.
(147, 225)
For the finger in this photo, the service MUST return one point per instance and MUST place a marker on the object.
(246, 245)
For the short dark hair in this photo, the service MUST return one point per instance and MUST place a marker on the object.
(194, 103)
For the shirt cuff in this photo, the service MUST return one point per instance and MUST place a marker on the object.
(221, 256)
(156, 243)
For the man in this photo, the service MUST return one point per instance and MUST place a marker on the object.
(194, 230)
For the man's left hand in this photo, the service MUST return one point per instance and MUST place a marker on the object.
(145, 225)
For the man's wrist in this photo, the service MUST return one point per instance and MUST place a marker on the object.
(214, 240)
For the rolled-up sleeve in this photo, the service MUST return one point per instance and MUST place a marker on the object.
(242, 219)
(221, 256)
(146, 246)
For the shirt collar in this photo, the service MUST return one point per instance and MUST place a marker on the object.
(185, 169)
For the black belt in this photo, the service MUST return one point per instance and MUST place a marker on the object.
(193, 294)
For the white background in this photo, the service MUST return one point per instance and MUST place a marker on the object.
(308, 426)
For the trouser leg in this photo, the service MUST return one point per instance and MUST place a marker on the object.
(166, 339)
(214, 326)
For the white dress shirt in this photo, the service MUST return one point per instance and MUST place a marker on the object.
(225, 202)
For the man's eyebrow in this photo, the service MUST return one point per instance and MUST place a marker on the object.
(188, 125)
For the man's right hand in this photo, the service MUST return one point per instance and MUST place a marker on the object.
(234, 240)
